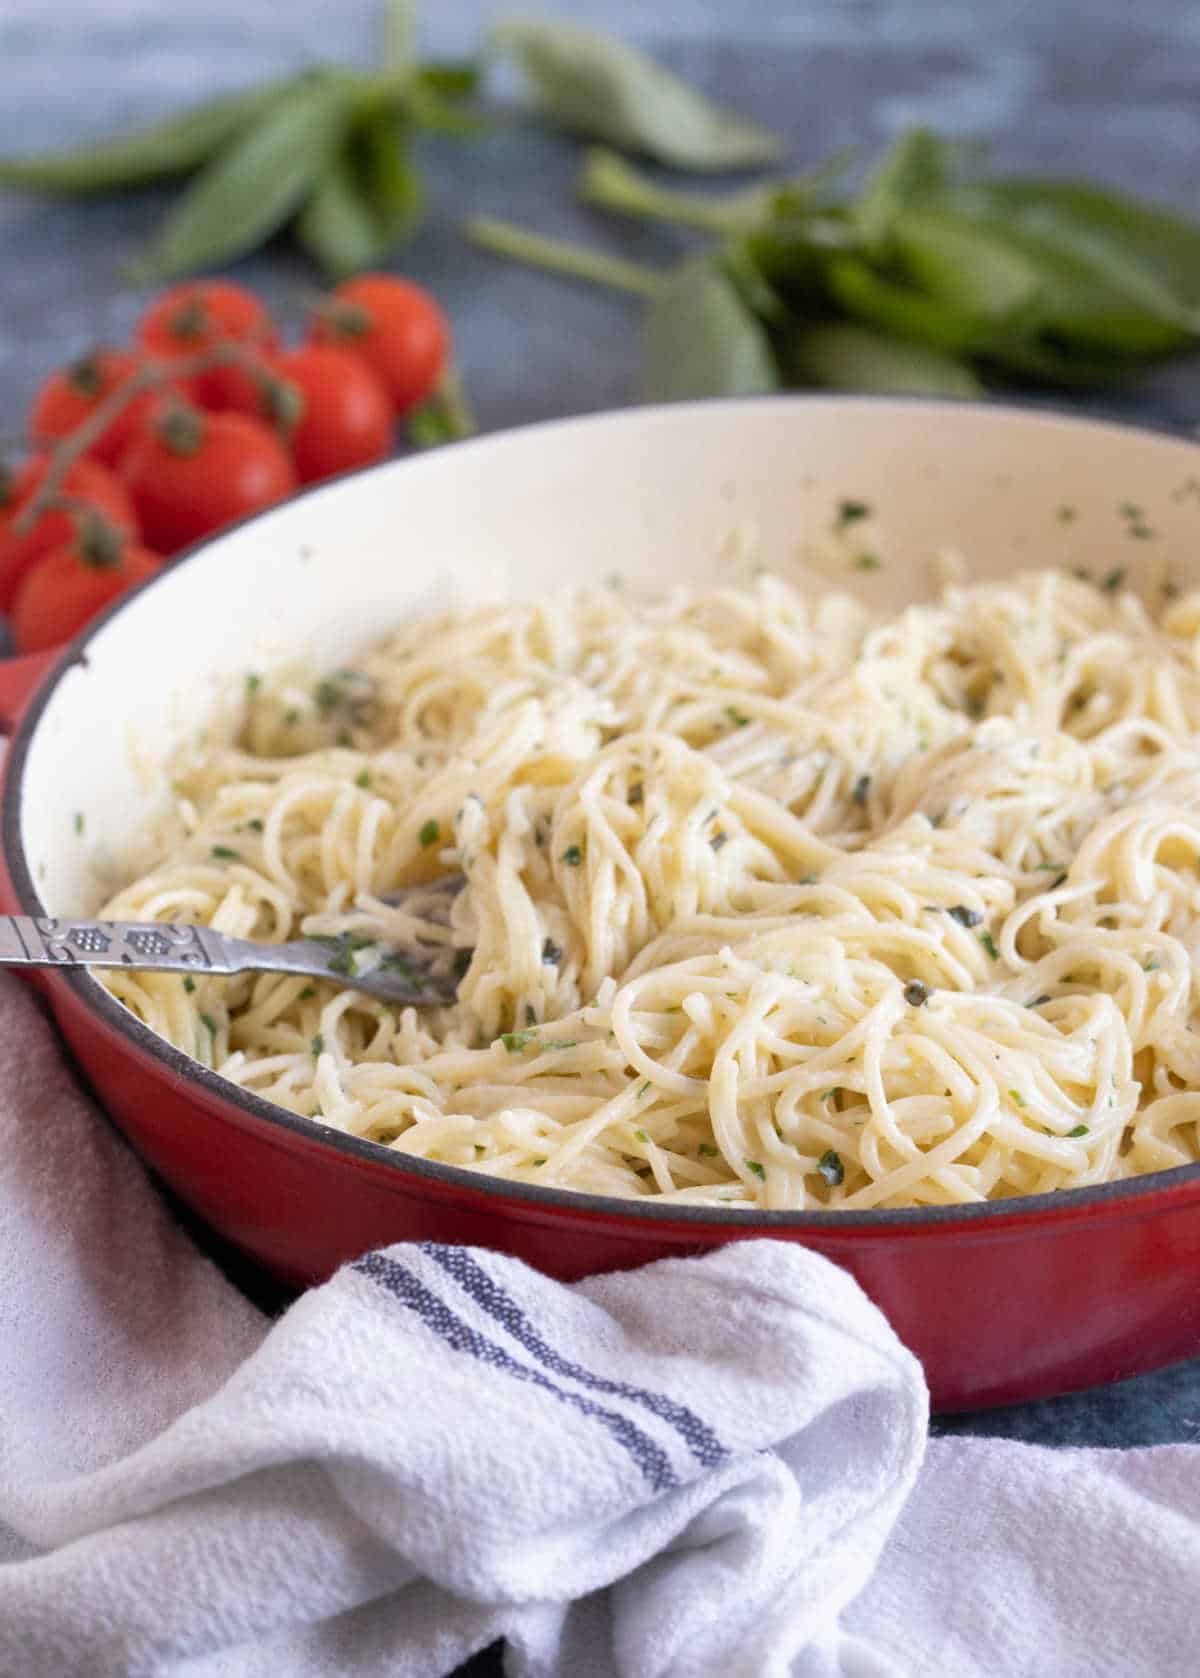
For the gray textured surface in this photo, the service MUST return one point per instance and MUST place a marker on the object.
(1097, 88)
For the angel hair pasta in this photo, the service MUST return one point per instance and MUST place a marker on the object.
(770, 901)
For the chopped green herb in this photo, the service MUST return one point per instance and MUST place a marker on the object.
(739, 719)
(515, 1041)
(562, 1043)
(989, 944)
(1016, 1096)
(916, 994)
(540, 1161)
(207, 1019)
(641, 1135)
(1038, 1001)
(850, 512)
(303, 996)
(224, 854)
(964, 916)
(79, 821)
(1050, 867)
(1113, 579)
(1066, 514)
(831, 1168)
(572, 856)
(328, 695)
(344, 737)
(430, 832)
(291, 718)
(317, 1045)
(719, 839)
(808, 880)
(253, 682)
(1081, 573)
(255, 824)
(706, 1150)
(363, 778)
(868, 562)
(758, 1170)
(644, 1088)
(1150, 966)
(861, 788)
(1080, 1130)
(189, 984)
(342, 962)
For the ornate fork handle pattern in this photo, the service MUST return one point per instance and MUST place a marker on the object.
(418, 974)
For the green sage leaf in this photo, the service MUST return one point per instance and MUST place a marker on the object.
(256, 183)
(369, 197)
(845, 357)
(700, 338)
(606, 90)
(164, 149)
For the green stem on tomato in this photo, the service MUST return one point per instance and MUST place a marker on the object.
(608, 182)
(153, 376)
(559, 256)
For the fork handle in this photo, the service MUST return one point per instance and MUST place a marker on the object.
(159, 946)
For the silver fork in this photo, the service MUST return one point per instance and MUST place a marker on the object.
(421, 973)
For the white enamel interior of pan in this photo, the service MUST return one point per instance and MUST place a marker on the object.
(697, 494)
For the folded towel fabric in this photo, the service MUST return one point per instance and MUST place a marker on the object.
(713, 1465)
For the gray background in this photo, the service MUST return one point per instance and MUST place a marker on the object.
(1099, 88)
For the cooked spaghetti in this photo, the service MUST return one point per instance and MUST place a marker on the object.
(770, 901)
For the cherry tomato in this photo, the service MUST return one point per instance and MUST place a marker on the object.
(195, 316)
(72, 582)
(70, 397)
(191, 472)
(395, 326)
(86, 483)
(344, 419)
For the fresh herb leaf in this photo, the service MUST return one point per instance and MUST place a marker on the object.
(867, 562)
(189, 984)
(561, 1043)
(850, 512)
(515, 1041)
(758, 1169)
(642, 1135)
(430, 833)
(964, 916)
(1112, 581)
(739, 719)
(78, 821)
(363, 778)
(207, 1020)
(165, 149)
(844, 356)
(573, 856)
(607, 91)
(989, 944)
(1015, 1095)
(706, 1150)
(831, 1168)
(700, 338)
(306, 993)
(253, 185)
(317, 1045)
(1080, 1130)
(224, 853)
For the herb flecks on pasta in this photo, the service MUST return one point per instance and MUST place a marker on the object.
(770, 902)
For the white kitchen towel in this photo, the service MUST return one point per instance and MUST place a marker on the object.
(713, 1465)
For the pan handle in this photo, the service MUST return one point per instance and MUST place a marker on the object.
(19, 680)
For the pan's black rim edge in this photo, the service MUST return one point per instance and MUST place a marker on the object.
(1020, 1210)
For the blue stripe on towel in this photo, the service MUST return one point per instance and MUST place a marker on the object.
(460, 1337)
(487, 1293)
